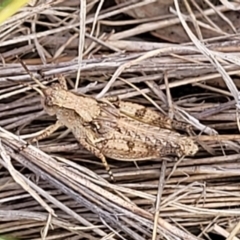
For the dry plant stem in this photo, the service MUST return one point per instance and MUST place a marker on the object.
(21, 120)
(234, 232)
(158, 199)
(142, 93)
(110, 66)
(19, 178)
(222, 231)
(20, 110)
(126, 205)
(169, 98)
(86, 193)
(205, 16)
(82, 19)
(54, 200)
(125, 7)
(146, 56)
(12, 215)
(203, 232)
(222, 16)
(156, 89)
(96, 16)
(211, 111)
(210, 55)
(146, 27)
(194, 20)
(55, 182)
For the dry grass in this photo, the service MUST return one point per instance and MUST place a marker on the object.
(58, 190)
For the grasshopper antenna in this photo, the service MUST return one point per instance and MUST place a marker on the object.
(31, 75)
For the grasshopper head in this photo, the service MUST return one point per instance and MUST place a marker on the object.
(52, 94)
(53, 98)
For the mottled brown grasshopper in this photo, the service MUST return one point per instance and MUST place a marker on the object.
(116, 129)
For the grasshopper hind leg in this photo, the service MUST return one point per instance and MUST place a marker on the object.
(99, 155)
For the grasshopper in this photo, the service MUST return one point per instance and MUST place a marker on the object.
(111, 128)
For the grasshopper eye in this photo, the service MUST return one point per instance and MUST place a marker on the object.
(56, 86)
(48, 101)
